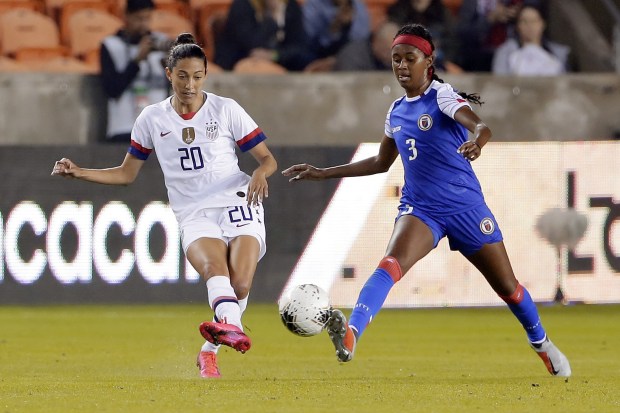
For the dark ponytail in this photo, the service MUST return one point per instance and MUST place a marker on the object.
(421, 31)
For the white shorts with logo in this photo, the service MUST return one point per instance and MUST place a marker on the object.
(226, 224)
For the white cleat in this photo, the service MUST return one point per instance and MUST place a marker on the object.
(554, 360)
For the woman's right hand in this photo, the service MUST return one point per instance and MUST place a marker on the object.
(65, 168)
(304, 171)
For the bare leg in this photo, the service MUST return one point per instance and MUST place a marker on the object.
(492, 261)
(242, 260)
(411, 240)
(209, 256)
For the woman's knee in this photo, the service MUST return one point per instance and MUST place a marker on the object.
(210, 269)
(241, 287)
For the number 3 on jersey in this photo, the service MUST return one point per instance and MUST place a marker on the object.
(412, 148)
(191, 158)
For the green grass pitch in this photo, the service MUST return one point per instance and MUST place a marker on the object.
(141, 359)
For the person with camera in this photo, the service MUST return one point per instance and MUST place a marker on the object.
(131, 69)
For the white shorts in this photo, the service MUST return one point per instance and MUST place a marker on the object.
(226, 224)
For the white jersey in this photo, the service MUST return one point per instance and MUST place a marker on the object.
(196, 152)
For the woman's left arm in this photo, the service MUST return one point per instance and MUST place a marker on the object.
(472, 148)
(258, 189)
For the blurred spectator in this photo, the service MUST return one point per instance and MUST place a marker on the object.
(265, 29)
(483, 25)
(440, 23)
(131, 69)
(425, 12)
(372, 54)
(530, 53)
(330, 25)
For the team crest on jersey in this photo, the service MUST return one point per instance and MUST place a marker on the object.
(212, 130)
(188, 135)
(487, 226)
(425, 122)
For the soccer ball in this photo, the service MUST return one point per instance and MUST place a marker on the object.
(306, 309)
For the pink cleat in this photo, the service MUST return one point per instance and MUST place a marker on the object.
(227, 334)
(207, 363)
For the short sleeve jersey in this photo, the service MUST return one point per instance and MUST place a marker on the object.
(438, 180)
(197, 155)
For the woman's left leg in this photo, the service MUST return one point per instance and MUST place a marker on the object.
(243, 256)
(493, 262)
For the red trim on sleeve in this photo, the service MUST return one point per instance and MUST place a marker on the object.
(249, 137)
(140, 147)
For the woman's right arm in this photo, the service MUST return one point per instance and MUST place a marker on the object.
(369, 166)
(124, 174)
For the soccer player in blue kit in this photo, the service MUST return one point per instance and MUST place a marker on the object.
(441, 197)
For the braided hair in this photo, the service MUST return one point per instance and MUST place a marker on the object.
(421, 31)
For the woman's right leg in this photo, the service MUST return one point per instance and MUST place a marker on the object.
(209, 257)
(411, 240)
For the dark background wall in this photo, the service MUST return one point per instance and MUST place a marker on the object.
(292, 211)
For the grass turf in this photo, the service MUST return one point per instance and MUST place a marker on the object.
(141, 359)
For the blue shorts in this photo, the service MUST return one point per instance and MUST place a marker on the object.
(467, 231)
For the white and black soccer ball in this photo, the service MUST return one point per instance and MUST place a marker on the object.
(305, 310)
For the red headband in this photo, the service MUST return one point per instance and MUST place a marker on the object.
(416, 41)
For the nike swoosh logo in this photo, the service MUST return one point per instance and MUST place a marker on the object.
(242, 225)
(162, 134)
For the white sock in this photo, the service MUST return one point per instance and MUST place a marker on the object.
(223, 300)
(243, 304)
(207, 346)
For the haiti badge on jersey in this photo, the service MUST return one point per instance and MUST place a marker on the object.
(425, 122)
(212, 131)
(188, 135)
(487, 226)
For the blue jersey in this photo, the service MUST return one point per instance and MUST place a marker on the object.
(438, 179)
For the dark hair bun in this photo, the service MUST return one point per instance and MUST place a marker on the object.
(185, 38)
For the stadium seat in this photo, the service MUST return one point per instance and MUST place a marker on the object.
(206, 16)
(208, 28)
(174, 6)
(73, 7)
(35, 55)
(86, 29)
(11, 65)
(220, 5)
(8, 5)
(377, 9)
(53, 8)
(66, 64)
(252, 65)
(23, 29)
(54, 64)
(171, 24)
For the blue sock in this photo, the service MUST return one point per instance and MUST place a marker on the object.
(373, 294)
(522, 306)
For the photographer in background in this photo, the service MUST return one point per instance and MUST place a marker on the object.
(131, 69)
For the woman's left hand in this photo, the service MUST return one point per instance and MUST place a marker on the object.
(470, 150)
(258, 189)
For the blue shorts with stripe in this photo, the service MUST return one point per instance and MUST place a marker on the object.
(467, 231)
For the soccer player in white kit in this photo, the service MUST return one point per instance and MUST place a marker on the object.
(218, 207)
